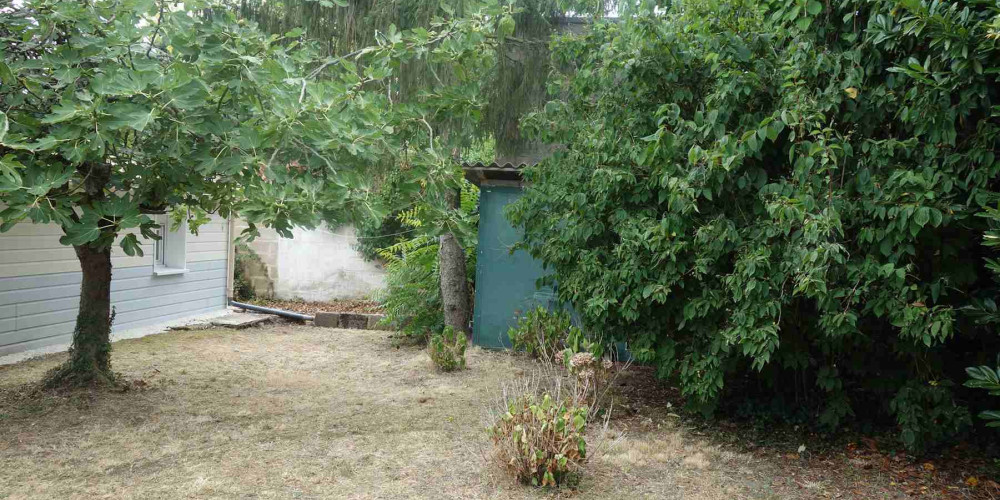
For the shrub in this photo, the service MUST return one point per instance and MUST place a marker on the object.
(592, 375)
(242, 289)
(374, 235)
(543, 333)
(540, 442)
(927, 415)
(754, 191)
(447, 350)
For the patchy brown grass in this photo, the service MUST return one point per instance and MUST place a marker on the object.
(302, 412)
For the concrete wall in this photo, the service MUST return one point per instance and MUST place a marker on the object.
(314, 265)
(261, 267)
(40, 285)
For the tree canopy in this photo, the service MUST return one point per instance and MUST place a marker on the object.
(114, 110)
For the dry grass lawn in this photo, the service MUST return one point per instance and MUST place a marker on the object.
(302, 412)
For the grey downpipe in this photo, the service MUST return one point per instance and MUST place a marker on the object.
(279, 312)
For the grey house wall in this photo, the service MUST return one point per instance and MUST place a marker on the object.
(39, 309)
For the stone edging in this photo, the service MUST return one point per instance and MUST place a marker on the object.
(353, 321)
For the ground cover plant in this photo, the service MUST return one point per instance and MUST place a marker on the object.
(777, 203)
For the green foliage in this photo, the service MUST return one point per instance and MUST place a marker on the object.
(543, 333)
(200, 112)
(928, 415)
(984, 309)
(512, 84)
(117, 109)
(779, 199)
(986, 378)
(411, 297)
(374, 235)
(541, 443)
(447, 350)
(196, 109)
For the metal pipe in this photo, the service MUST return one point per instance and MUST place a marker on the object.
(269, 310)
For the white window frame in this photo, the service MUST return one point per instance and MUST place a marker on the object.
(170, 251)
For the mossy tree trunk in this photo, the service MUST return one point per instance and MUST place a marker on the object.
(90, 354)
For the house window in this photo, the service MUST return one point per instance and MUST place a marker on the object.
(170, 251)
(158, 244)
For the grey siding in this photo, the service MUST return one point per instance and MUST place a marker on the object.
(38, 311)
(40, 285)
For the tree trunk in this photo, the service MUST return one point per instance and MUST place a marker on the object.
(90, 355)
(454, 288)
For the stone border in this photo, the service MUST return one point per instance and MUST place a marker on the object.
(351, 321)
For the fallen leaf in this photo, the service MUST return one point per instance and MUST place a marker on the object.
(972, 481)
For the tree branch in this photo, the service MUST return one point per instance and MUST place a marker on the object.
(156, 31)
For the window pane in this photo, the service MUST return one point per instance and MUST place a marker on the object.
(158, 245)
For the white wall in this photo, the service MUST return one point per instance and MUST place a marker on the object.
(315, 265)
(320, 265)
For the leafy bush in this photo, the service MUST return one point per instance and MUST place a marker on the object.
(447, 350)
(779, 198)
(242, 288)
(986, 378)
(543, 333)
(540, 442)
(928, 416)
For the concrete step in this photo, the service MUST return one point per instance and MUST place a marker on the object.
(239, 321)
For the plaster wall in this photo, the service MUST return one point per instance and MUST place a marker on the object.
(322, 264)
(314, 265)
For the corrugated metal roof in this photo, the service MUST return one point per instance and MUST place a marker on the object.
(478, 173)
(494, 166)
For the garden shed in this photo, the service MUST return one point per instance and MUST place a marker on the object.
(505, 280)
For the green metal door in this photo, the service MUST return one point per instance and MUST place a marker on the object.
(505, 282)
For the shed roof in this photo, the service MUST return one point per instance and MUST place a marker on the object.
(479, 173)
